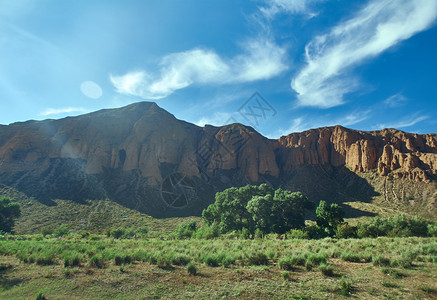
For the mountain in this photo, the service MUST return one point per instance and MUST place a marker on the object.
(143, 158)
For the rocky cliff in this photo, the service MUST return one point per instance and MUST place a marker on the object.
(404, 155)
(144, 158)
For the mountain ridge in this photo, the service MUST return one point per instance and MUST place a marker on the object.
(136, 153)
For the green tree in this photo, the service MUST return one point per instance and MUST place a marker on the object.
(257, 207)
(289, 210)
(260, 207)
(328, 217)
(229, 209)
(9, 211)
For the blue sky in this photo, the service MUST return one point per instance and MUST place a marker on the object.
(280, 66)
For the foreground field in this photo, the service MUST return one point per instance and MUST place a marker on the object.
(99, 267)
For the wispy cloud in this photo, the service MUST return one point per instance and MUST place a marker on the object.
(304, 122)
(217, 119)
(396, 100)
(275, 7)
(261, 59)
(406, 122)
(381, 24)
(57, 111)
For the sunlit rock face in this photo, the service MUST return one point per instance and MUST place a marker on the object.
(413, 156)
(133, 155)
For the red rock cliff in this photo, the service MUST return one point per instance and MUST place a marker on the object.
(389, 150)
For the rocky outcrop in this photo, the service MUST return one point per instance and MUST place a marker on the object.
(138, 154)
(389, 151)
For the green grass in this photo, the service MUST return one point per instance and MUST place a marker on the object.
(86, 267)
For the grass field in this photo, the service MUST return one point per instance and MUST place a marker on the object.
(152, 268)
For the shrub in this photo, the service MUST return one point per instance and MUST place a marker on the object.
(285, 263)
(316, 259)
(432, 230)
(259, 234)
(142, 231)
(45, 260)
(379, 260)
(45, 231)
(244, 233)
(84, 234)
(212, 261)
(163, 263)
(286, 275)
(298, 234)
(257, 259)
(97, 262)
(40, 296)
(118, 260)
(62, 230)
(122, 260)
(345, 287)
(117, 233)
(345, 231)
(181, 260)
(192, 269)
(352, 257)
(315, 232)
(326, 269)
(72, 261)
(185, 230)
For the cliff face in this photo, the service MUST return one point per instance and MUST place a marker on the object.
(405, 155)
(144, 158)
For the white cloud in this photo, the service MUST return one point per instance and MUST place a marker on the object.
(304, 123)
(396, 100)
(57, 111)
(262, 59)
(288, 6)
(217, 119)
(382, 24)
(406, 122)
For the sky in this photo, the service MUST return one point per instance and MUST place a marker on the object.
(280, 66)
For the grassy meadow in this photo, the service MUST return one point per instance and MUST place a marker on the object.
(96, 266)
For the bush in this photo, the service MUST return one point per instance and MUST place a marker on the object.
(97, 262)
(212, 261)
(40, 296)
(345, 231)
(432, 230)
(208, 232)
(286, 275)
(345, 287)
(315, 232)
(315, 259)
(379, 260)
(163, 263)
(352, 257)
(45, 231)
(45, 260)
(326, 269)
(192, 269)
(298, 234)
(142, 231)
(397, 226)
(121, 232)
(181, 260)
(185, 230)
(72, 261)
(285, 263)
(257, 259)
(62, 230)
